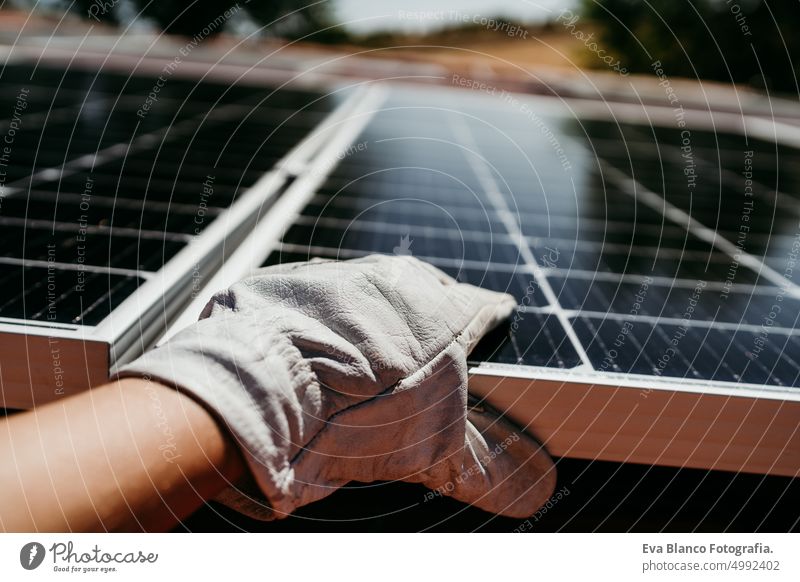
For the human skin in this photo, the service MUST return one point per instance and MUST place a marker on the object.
(132, 455)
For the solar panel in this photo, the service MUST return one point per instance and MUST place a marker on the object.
(479, 197)
(645, 323)
(657, 300)
(119, 193)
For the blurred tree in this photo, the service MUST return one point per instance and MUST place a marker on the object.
(290, 19)
(91, 8)
(184, 18)
(313, 20)
(743, 41)
(286, 18)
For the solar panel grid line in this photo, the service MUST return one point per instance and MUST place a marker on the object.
(542, 325)
(722, 364)
(77, 267)
(659, 280)
(150, 165)
(731, 326)
(120, 231)
(540, 342)
(636, 345)
(484, 175)
(731, 342)
(100, 300)
(154, 221)
(759, 290)
(782, 357)
(638, 381)
(85, 102)
(119, 202)
(436, 182)
(479, 235)
(685, 269)
(265, 113)
(204, 136)
(737, 307)
(731, 178)
(346, 198)
(720, 357)
(383, 227)
(430, 245)
(369, 177)
(59, 297)
(66, 161)
(119, 150)
(721, 148)
(637, 191)
(190, 70)
(300, 158)
(351, 197)
(762, 239)
(715, 365)
(347, 253)
(779, 164)
(612, 247)
(102, 179)
(555, 219)
(362, 175)
(684, 283)
(268, 137)
(339, 132)
(37, 315)
(417, 197)
(146, 167)
(717, 158)
(33, 306)
(700, 118)
(99, 94)
(39, 118)
(645, 147)
(99, 249)
(786, 202)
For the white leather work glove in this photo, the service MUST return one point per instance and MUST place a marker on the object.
(335, 371)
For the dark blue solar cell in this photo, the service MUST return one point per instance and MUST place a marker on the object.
(691, 352)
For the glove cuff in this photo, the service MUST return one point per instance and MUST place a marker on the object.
(230, 375)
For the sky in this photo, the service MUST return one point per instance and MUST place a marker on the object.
(365, 16)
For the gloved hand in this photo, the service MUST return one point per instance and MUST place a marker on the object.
(335, 371)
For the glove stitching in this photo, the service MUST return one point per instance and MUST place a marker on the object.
(310, 442)
(383, 392)
(391, 388)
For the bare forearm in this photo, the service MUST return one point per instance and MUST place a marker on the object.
(132, 455)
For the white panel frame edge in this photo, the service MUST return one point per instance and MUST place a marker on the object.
(41, 362)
